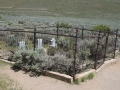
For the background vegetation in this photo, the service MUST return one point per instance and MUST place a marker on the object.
(77, 12)
(77, 8)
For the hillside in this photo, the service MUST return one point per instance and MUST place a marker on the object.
(74, 8)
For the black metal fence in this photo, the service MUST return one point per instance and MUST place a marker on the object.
(87, 48)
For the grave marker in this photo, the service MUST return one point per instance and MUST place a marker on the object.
(53, 44)
(22, 45)
(39, 43)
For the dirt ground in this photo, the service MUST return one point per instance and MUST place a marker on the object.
(107, 79)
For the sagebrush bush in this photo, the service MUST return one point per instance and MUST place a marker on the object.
(29, 60)
(83, 54)
(51, 51)
(101, 48)
(69, 54)
(100, 52)
(10, 58)
(36, 61)
(64, 43)
(4, 33)
(13, 40)
(45, 38)
(61, 64)
(20, 34)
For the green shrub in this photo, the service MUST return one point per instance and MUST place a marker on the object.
(20, 34)
(13, 40)
(51, 51)
(90, 76)
(4, 33)
(36, 61)
(64, 43)
(101, 48)
(102, 28)
(69, 54)
(46, 38)
(65, 25)
(76, 82)
(83, 54)
(29, 60)
(61, 64)
(83, 79)
(10, 58)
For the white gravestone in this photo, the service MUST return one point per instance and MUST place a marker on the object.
(53, 44)
(39, 43)
(22, 45)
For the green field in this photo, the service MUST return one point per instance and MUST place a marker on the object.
(78, 12)
(73, 8)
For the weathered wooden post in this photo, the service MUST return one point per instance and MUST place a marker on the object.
(34, 38)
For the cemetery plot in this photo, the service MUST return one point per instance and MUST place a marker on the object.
(67, 50)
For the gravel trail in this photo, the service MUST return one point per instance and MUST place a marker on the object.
(107, 79)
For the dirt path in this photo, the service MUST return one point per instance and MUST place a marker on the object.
(108, 79)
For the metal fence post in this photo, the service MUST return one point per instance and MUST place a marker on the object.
(96, 53)
(106, 44)
(115, 43)
(82, 32)
(75, 51)
(34, 38)
(57, 29)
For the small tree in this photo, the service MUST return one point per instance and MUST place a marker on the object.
(102, 28)
(64, 25)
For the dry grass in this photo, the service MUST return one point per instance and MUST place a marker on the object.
(6, 83)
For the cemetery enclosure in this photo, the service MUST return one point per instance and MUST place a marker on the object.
(85, 49)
